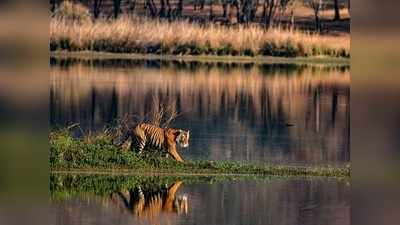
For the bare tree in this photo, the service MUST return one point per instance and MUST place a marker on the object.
(132, 5)
(317, 6)
(337, 12)
(179, 8)
(163, 11)
(198, 4)
(96, 8)
(283, 7)
(224, 8)
(168, 8)
(269, 11)
(150, 7)
(237, 4)
(254, 7)
(53, 5)
(211, 13)
(249, 10)
(117, 7)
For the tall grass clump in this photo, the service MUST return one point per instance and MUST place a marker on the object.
(69, 11)
(146, 36)
(99, 153)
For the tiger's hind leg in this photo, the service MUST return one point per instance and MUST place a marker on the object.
(139, 140)
(142, 144)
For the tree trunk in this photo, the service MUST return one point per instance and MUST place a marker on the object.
(53, 5)
(337, 11)
(179, 8)
(117, 8)
(291, 20)
(152, 9)
(317, 19)
(224, 8)
(237, 6)
(162, 12)
(132, 5)
(211, 14)
(271, 12)
(96, 8)
(254, 8)
(264, 14)
(168, 9)
(202, 3)
(246, 11)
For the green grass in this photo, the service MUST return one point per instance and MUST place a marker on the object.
(97, 153)
(66, 185)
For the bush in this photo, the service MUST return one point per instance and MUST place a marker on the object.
(267, 49)
(72, 12)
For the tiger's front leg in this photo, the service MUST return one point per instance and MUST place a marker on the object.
(172, 151)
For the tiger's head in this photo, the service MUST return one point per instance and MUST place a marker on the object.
(181, 204)
(183, 139)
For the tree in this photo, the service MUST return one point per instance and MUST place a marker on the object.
(316, 5)
(211, 14)
(53, 5)
(269, 11)
(150, 7)
(162, 12)
(246, 11)
(96, 8)
(237, 5)
(337, 12)
(179, 8)
(224, 8)
(198, 4)
(253, 11)
(117, 7)
(132, 5)
(283, 6)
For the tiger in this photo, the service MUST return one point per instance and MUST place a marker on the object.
(151, 203)
(149, 136)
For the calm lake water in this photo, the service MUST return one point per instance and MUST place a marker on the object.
(276, 113)
(131, 200)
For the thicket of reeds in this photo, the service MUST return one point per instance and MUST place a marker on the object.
(72, 29)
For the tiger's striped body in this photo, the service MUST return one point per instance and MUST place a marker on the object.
(149, 136)
(152, 203)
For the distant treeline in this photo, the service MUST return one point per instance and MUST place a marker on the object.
(265, 12)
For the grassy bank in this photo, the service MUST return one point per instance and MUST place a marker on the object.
(258, 60)
(96, 152)
(143, 36)
(65, 185)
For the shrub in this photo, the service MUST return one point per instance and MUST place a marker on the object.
(72, 12)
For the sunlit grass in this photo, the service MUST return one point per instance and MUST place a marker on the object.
(99, 153)
(135, 35)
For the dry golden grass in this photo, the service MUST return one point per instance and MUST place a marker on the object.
(72, 11)
(134, 35)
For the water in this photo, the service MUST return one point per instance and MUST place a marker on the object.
(100, 200)
(235, 111)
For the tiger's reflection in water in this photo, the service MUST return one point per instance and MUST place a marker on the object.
(152, 203)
